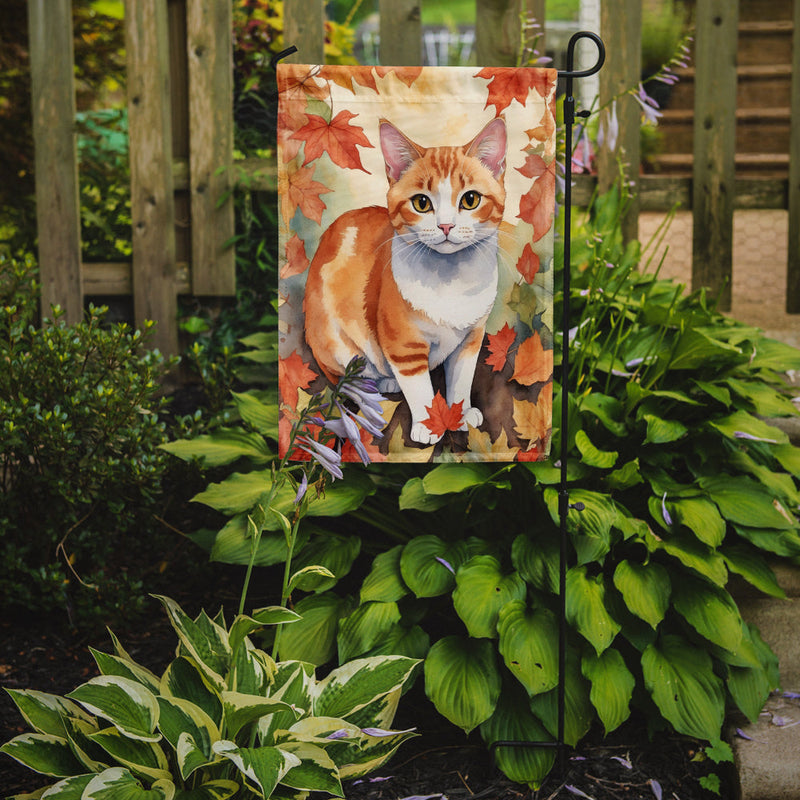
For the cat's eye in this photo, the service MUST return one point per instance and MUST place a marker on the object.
(470, 200)
(421, 203)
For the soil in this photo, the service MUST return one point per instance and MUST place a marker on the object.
(45, 654)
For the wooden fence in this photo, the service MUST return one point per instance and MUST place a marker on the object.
(181, 134)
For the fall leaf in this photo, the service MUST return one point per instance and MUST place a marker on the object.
(507, 84)
(482, 448)
(498, 347)
(304, 193)
(442, 417)
(373, 451)
(298, 81)
(533, 421)
(531, 454)
(547, 125)
(344, 75)
(528, 264)
(296, 258)
(338, 139)
(537, 206)
(533, 363)
(293, 375)
(406, 74)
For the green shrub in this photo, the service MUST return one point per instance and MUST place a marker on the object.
(79, 428)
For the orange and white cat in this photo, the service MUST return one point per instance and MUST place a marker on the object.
(410, 286)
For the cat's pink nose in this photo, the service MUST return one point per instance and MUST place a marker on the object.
(446, 227)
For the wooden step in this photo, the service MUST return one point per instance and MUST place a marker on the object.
(754, 10)
(761, 41)
(766, 165)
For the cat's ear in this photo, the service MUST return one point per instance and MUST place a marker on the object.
(399, 152)
(489, 146)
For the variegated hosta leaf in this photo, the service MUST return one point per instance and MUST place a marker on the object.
(78, 733)
(204, 641)
(529, 645)
(385, 581)
(586, 608)
(683, 685)
(294, 685)
(481, 591)
(68, 789)
(183, 679)
(179, 718)
(244, 625)
(365, 627)
(44, 753)
(252, 670)
(117, 783)
(45, 712)
(462, 680)
(358, 683)
(125, 668)
(612, 686)
(373, 753)
(316, 771)
(212, 790)
(145, 759)
(262, 766)
(646, 589)
(242, 709)
(126, 704)
(513, 721)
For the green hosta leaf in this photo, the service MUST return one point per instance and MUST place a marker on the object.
(126, 704)
(683, 685)
(612, 687)
(450, 478)
(313, 638)
(537, 561)
(578, 710)
(663, 431)
(771, 354)
(45, 712)
(233, 544)
(261, 416)
(788, 455)
(646, 589)
(399, 640)
(597, 517)
(335, 553)
(586, 608)
(701, 517)
(125, 668)
(223, 446)
(709, 610)
(244, 625)
(428, 565)
(753, 567)
(413, 496)
(626, 476)
(212, 790)
(590, 455)
(749, 687)
(145, 759)
(462, 680)
(263, 766)
(740, 422)
(693, 554)
(716, 391)
(695, 349)
(529, 645)
(745, 502)
(608, 410)
(767, 401)
(481, 591)
(782, 543)
(182, 679)
(355, 685)
(365, 627)
(44, 753)
(118, 784)
(512, 721)
(385, 582)
(242, 709)
(316, 772)
(312, 577)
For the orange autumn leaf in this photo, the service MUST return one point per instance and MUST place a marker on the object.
(533, 363)
(296, 258)
(506, 85)
(406, 74)
(304, 193)
(349, 452)
(498, 347)
(546, 127)
(299, 82)
(537, 206)
(338, 139)
(442, 417)
(528, 264)
(533, 421)
(293, 374)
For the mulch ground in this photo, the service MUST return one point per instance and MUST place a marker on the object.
(45, 654)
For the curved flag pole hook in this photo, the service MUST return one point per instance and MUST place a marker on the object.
(564, 505)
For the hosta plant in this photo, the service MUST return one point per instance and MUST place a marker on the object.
(224, 720)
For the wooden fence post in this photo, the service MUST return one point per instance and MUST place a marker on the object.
(498, 30)
(56, 162)
(717, 23)
(304, 27)
(621, 28)
(401, 33)
(793, 266)
(210, 54)
(152, 200)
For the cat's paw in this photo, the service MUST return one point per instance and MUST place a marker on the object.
(421, 434)
(388, 386)
(471, 417)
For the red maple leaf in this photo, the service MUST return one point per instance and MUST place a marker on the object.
(507, 84)
(304, 193)
(293, 375)
(338, 139)
(538, 205)
(528, 264)
(499, 344)
(533, 363)
(296, 258)
(443, 417)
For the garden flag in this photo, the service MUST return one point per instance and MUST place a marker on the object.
(416, 233)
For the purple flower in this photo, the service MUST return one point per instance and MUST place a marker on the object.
(380, 732)
(368, 402)
(751, 437)
(742, 735)
(577, 792)
(346, 429)
(301, 489)
(445, 563)
(608, 132)
(582, 155)
(342, 733)
(325, 456)
(649, 106)
(655, 786)
(624, 761)
(664, 512)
